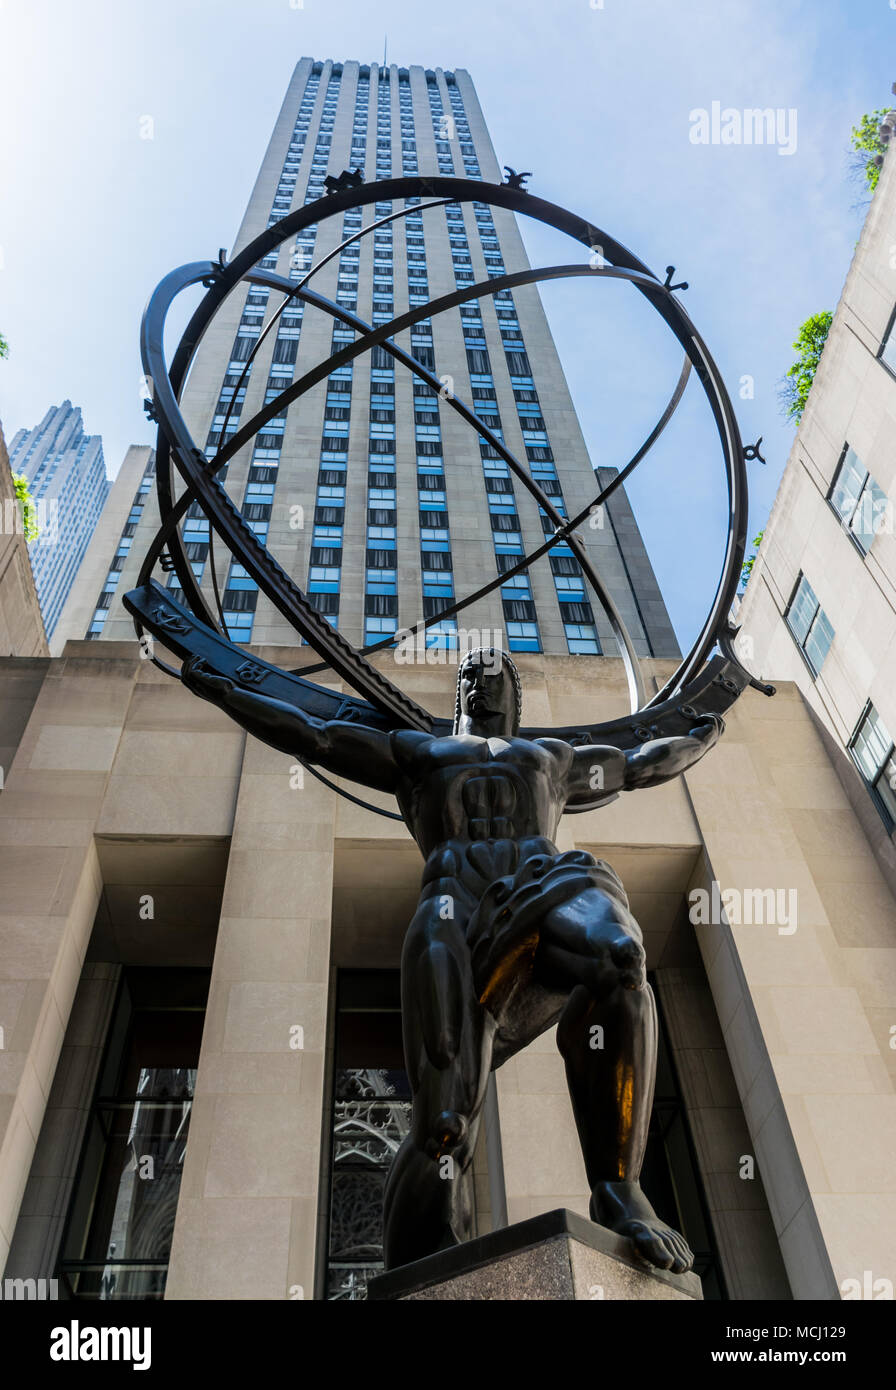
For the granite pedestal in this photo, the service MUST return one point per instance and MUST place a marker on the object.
(559, 1255)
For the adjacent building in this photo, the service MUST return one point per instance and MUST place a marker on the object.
(87, 606)
(66, 476)
(820, 606)
(21, 626)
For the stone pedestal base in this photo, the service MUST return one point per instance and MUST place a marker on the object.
(556, 1256)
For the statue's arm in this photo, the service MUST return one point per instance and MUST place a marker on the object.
(347, 750)
(663, 759)
(598, 768)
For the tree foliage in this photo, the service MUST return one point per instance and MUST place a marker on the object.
(26, 502)
(748, 564)
(867, 144)
(4, 346)
(809, 345)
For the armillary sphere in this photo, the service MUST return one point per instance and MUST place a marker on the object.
(708, 679)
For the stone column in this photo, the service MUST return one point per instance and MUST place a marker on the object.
(802, 966)
(247, 1212)
(741, 1221)
(50, 885)
(39, 1229)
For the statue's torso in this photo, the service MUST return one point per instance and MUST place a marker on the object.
(464, 790)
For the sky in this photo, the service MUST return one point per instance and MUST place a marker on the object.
(599, 98)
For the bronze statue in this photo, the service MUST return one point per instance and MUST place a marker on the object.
(510, 937)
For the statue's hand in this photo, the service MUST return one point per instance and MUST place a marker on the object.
(197, 677)
(708, 728)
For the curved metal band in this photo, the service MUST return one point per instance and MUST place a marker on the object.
(225, 278)
(558, 537)
(275, 318)
(380, 336)
(564, 530)
(205, 489)
(229, 523)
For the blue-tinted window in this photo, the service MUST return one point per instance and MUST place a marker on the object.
(810, 625)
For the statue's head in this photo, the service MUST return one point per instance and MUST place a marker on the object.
(489, 699)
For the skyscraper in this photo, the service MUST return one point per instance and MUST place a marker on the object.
(67, 479)
(373, 494)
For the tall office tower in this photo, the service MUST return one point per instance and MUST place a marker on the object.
(371, 491)
(67, 479)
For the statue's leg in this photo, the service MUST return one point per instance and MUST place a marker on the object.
(448, 1042)
(607, 1035)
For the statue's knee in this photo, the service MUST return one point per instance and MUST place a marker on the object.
(630, 961)
(604, 968)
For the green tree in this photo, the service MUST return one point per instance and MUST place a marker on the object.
(867, 145)
(748, 564)
(4, 346)
(26, 502)
(795, 387)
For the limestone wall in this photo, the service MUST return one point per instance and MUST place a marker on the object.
(125, 783)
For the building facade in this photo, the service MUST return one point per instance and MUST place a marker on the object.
(67, 479)
(21, 625)
(87, 607)
(820, 606)
(203, 1082)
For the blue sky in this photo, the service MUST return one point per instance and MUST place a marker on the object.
(93, 215)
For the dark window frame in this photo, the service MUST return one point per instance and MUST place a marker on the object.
(844, 523)
(880, 805)
(891, 324)
(800, 646)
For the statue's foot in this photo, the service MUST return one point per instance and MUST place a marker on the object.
(622, 1207)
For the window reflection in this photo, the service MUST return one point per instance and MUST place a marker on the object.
(121, 1220)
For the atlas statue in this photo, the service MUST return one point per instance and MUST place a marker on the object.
(510, 937)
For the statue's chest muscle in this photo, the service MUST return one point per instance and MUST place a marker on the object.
(482, 787)
(463, 755)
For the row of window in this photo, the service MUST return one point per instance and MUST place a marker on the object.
(381, 592)
(329, 511)
(578, 618)
(240, 593)
(325, 565)
(104, 602)
(519, 612)
(581, 633)
(862, 508)
(68, 509)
